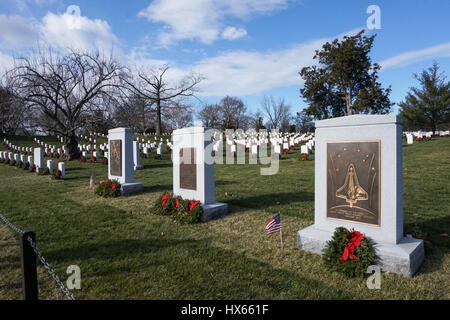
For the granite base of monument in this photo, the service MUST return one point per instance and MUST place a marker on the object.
(404, 258)
(213, 211)
(131, 188)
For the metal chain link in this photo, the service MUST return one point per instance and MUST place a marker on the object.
(9, 224)
(50, 270)
(41, 258)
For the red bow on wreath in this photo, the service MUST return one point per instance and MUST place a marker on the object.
(192, 204)
(177, 203)
(164, 200)
(355, 241)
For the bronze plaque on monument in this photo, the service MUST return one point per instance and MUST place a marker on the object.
(115, 157)
(353, 181)
(188, 169)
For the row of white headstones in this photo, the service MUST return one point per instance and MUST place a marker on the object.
(278, 141)
(37, 160)
(421, 134)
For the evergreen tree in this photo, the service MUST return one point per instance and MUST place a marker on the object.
(345, 81)
(427, 107)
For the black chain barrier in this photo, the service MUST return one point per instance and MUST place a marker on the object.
(47, 266)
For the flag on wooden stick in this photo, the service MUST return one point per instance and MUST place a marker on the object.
(274, 225)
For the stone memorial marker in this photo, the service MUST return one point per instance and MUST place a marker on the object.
(62, 168)
(137, 156)
(193, 170)
(358, 185)
(50, 166)
(120, 160)
(38, 158)
(304, 149)
(409, 138)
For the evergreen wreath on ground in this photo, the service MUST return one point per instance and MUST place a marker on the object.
(43, 172)
(164, 205)
(349, 252)
(57, 175)
(180, 210)
(108, 189)
(187, 211)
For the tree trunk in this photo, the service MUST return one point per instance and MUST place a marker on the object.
(72, 147)
(158, 117)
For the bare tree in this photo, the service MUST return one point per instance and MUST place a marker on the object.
(304, 122)
(133, 111)
(154, 87)
(233, 113)
(210, 115)
(13, 117)
(65, 88)
(178, 116)
(256, 120)
(278, 112)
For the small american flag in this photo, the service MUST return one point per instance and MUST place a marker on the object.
(91, 182)
(274, 225)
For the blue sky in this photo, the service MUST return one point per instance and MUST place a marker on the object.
(244, 48)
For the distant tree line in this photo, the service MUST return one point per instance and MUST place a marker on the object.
(79, 92)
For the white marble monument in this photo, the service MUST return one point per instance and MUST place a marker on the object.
(38, 158)
(193, 170)
(137, 156)
(120, 160)
(358, 185)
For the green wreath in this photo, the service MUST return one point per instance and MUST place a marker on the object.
(164, 205)
(187, 211)
(349, 252)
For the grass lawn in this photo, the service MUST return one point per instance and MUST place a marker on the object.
(124, 252)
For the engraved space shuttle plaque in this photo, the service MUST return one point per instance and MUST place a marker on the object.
(188, 169)
(115, 157)
(353, 181)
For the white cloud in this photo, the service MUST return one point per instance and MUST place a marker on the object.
(231, 33)
(204, 20)
(6, 62)
(68, 31)
(252, 72)
(18, 32)
(401, 60)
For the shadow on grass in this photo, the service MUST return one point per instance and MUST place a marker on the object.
(157, 188)
(162, 260)
(158, 165)
(267, 200)
(436, 247)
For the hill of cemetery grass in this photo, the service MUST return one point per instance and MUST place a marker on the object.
(125, 252)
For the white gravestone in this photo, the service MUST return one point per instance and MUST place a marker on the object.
(50, 166)
(358, 185)
(137, 156)
(409, 138)
(193, 170)
(120, 160)
(304, 149)
(30, 160)
(38, 158)
(62, 168)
